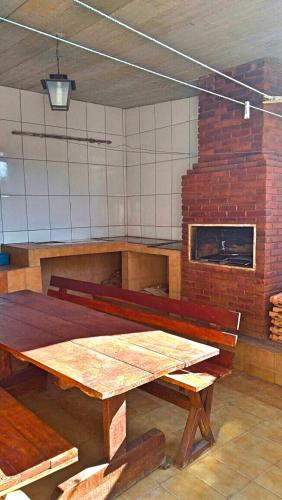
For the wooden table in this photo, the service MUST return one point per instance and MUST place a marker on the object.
(105, 357)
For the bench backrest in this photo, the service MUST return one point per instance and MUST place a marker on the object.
(134, 312)
(219, 317)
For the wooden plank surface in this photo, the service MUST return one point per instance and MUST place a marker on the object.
(84, 353)
(181, 349)
(98, 322)
(126, 351)
(28, 446)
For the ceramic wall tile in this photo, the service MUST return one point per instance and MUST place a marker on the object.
(180, 110)
(163, 177)
(10, 104)
(11, 146)
(115, 151)
(57, 149)
(58, 178)
(163, 144)
(133, 176)
(39, 235)
(12, 176)
(180, 140)
(38, 212)
(133, 150)
(34, 148)
(148, 147)
(163, 114)
(61, 234)
(116, 207)
(60, 212)
(148, 231)
(78, 178)
(147, 118)
(135, 231)
(148, 179)
(99, 232)
(113, 120)
(98, 179)
(148, 210)
(76, 115)
(179, 168)
(132, 125)
(115, 181)
(80, 233)
(133, 210)
(32, 107)
(77, 150)
(96, 151)
(163, 210)
(80, 211)
(117, 231)
(15, 237)
(99, 211)
(96, 117)
(14, 213)
(36, 180)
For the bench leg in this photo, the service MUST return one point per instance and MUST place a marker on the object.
(198, 417)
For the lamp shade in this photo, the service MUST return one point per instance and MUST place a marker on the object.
(59, 90)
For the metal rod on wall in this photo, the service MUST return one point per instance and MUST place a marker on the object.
(62, 137)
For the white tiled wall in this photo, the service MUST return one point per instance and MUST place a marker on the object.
(56, 189)
(59, 190)
(162, 143)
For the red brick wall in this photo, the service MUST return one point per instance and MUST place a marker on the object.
(238, 180)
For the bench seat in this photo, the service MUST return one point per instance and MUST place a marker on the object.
(194, 382)
(29, 449)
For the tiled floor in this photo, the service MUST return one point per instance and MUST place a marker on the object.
(244, 464)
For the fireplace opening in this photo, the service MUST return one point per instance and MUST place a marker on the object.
(226, 245)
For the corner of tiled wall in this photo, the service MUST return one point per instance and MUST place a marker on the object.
(162, 144)
(58, 189)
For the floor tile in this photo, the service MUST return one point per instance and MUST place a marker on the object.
(218, 475)
(159, 493)
(188, 486)
(271, 480)
(146, 486)
(254, 492)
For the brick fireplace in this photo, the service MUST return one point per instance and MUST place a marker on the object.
(237, 181)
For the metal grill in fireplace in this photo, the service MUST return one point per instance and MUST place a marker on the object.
(228, 245)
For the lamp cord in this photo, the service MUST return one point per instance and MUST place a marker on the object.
(57, 55)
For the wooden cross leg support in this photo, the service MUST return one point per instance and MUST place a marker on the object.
(125, 465)
(199, 406)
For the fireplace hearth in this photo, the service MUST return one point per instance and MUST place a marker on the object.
(226, 245)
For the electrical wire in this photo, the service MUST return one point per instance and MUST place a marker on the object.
(168, 47)
(132, 65)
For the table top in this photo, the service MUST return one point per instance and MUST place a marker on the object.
(100, 354)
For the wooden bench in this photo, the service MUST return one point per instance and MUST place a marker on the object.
(29, 449)
(190, 389)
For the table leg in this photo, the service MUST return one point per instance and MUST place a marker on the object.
(126, 464)
(5, 364)
(114, 427)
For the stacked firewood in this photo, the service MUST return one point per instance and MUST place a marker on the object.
(276, 318)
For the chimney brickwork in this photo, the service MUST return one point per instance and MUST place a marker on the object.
(238, 180)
